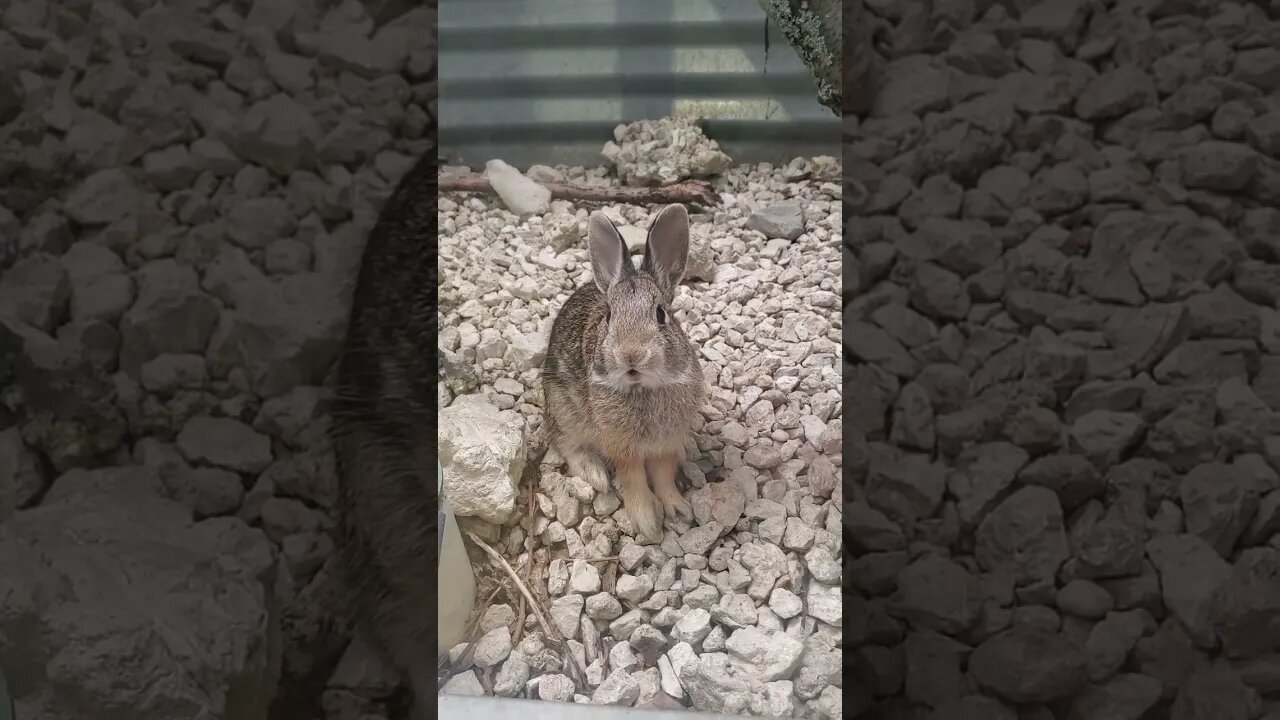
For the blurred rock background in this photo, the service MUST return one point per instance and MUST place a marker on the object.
(1062, 328)
(185, 187)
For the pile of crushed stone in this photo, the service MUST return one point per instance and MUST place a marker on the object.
(661, 152)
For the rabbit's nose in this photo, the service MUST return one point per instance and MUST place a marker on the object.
(633, 357)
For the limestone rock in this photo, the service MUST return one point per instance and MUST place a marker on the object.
(200, 645)
(483, 453)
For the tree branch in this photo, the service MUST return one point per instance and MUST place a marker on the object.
(813, 28)
(689, 191)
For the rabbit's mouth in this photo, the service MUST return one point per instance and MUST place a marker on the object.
(633, 378)
(630, 379)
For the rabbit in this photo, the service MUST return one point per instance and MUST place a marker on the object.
(621, 381)
(383, 432)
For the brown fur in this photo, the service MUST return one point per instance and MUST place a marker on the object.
(384, 435)
(639, 431)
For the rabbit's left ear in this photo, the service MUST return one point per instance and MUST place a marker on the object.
(667, 248)
(609, 257)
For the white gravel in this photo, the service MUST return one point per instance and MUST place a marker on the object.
(685, 622)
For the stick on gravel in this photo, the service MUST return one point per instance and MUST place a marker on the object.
(528, 596)
(528, 563)
(689, 191)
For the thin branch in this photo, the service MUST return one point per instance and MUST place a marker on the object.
(689, 191)
(533, 604)
(813, 29)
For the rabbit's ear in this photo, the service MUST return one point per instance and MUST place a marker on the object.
(667, 249)
(609, 257)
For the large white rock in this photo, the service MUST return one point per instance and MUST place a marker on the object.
(284, 333)
(483, 451)
(169, 315)
(779, 220)
(101, 287)
(103, 197)
(775, 655)
(521, 195)
(125, 602)
(277, 133)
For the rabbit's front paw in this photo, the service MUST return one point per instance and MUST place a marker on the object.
(663, 473)
(675, 504)
(646, 514)
(589, 469)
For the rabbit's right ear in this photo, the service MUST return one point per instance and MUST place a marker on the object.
(609, 256)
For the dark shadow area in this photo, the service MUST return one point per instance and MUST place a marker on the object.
(186, 189)
(1062, 361)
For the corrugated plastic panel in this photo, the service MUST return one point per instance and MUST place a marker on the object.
(546, 81)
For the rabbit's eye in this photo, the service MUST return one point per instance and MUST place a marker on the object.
(662, 315)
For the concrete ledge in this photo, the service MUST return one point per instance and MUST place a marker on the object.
(458, 707)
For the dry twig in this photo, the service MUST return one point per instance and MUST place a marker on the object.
(528, 566)
(580, 676)
(610, 577)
